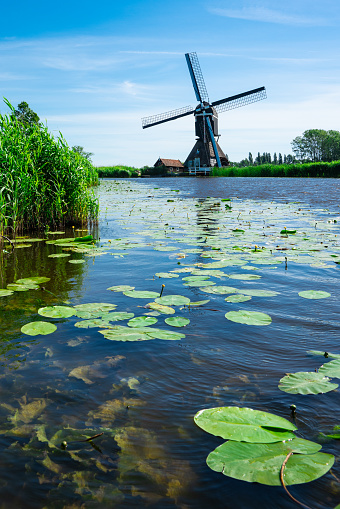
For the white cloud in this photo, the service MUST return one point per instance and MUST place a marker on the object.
(268, 16)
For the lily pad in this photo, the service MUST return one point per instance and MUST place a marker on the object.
(173, 300)
(36, 328)
(21, 288)
(76, 262)
(121, 288)
(245, 277)
(238, 298)
(245, 424)
(166, 310)
(5, 293)
(259, 293)
(198, 303)
(142, 321)
(305, 382)
(220, 290)
(177, 321)
(141, 294)
(59, 255)
(314, 294)
(125, 334)
(116, 316)
(249, 317)
(56, 311)
(88, 324)
(331, 369)
(262, 462)
(166, 275)
(34, 280)
(93, 307)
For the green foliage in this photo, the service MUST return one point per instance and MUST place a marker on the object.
(317, 145)
(80, 150)
(305, 382)
(25, 115)
(313, 170)
(117, 172)
(42, 181)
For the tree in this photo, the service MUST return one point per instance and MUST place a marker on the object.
(25, 115)
(250, 158)
(80, 150)
(280, 158)
(275, 158)
(317, 145)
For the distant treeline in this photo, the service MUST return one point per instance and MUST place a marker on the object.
(128, 171)
(265, 158)
(305, 170)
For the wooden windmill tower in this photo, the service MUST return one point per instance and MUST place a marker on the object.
(206, 151)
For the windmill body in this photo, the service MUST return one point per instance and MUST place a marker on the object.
(206, 151)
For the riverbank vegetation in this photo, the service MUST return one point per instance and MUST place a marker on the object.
(305, 170)
(43, 182)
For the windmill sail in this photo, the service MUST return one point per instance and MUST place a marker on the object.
(166, 117)
(197, 77)
(236, 101)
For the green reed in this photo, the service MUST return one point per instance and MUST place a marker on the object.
(304, 170)
(117, 172)
(42, 181)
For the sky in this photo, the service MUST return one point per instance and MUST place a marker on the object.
(92, 70)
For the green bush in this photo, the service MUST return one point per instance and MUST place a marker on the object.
(305, 170)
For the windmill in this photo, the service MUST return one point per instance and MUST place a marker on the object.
(206, 151)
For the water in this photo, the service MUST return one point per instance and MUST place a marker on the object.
(143, 395)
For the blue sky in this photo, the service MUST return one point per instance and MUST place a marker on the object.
(92, 69)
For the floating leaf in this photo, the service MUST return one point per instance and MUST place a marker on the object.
(5, 293)
(142, 321)
(173, 300)
(36, 328)
(141, 294)
(324, 354)
(195, 278)
(305, 382)
(198, 303)
(238, 298)
(34, 280)
(121, 288)
(249, 317)
(165, 334)
(262, 462)
(245, 277)
(76, 262)
(314, 294)
(56, 311)
(177, 321)
(166, 275)
(199, 283)
(88, 324)
(244, 424)
(119, 315)
(125, 334)
(166, 310)
(59, 255)
(331, 369)
(220, 290)
(259, 293)
(21, 288)
(93, 307)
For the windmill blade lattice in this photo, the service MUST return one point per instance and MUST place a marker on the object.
(236, 101)
(197, 77)
(167, 116)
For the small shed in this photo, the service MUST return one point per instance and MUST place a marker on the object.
(172, 165)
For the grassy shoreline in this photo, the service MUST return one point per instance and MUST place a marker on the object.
(304, 170)
(43, 182)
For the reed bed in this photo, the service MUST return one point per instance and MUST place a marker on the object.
(43, 183)
(300, 170)
(117, 172)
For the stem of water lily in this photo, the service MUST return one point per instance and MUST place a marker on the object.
(283, 483)
(163, 286)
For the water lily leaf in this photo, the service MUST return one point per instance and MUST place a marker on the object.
(238, 298)
(5, 293)
(287, 232)
(245, 277)
(199, 283)
(195, 278)
(331, 368)
(314, 294)
(262, 462)
(165, 310)
(165, 334)
(21, 288)
(36, 328)
(220, 290)
(96, 322)
(116, 316)
(245, 424)
(56, 311)
(76, 262)
(140, 294)
(305, 382)
(93, 307)
(121, 288)
(167, 275)
(59, 255)
(173, 300)
(177, 321)
(125, 334)
(199, 302)
(249, 317)
(328, 354)
(142, 321)
(34, 280)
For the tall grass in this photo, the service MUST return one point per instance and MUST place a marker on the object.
(117, 172)
(305, 170)
(42, 181)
